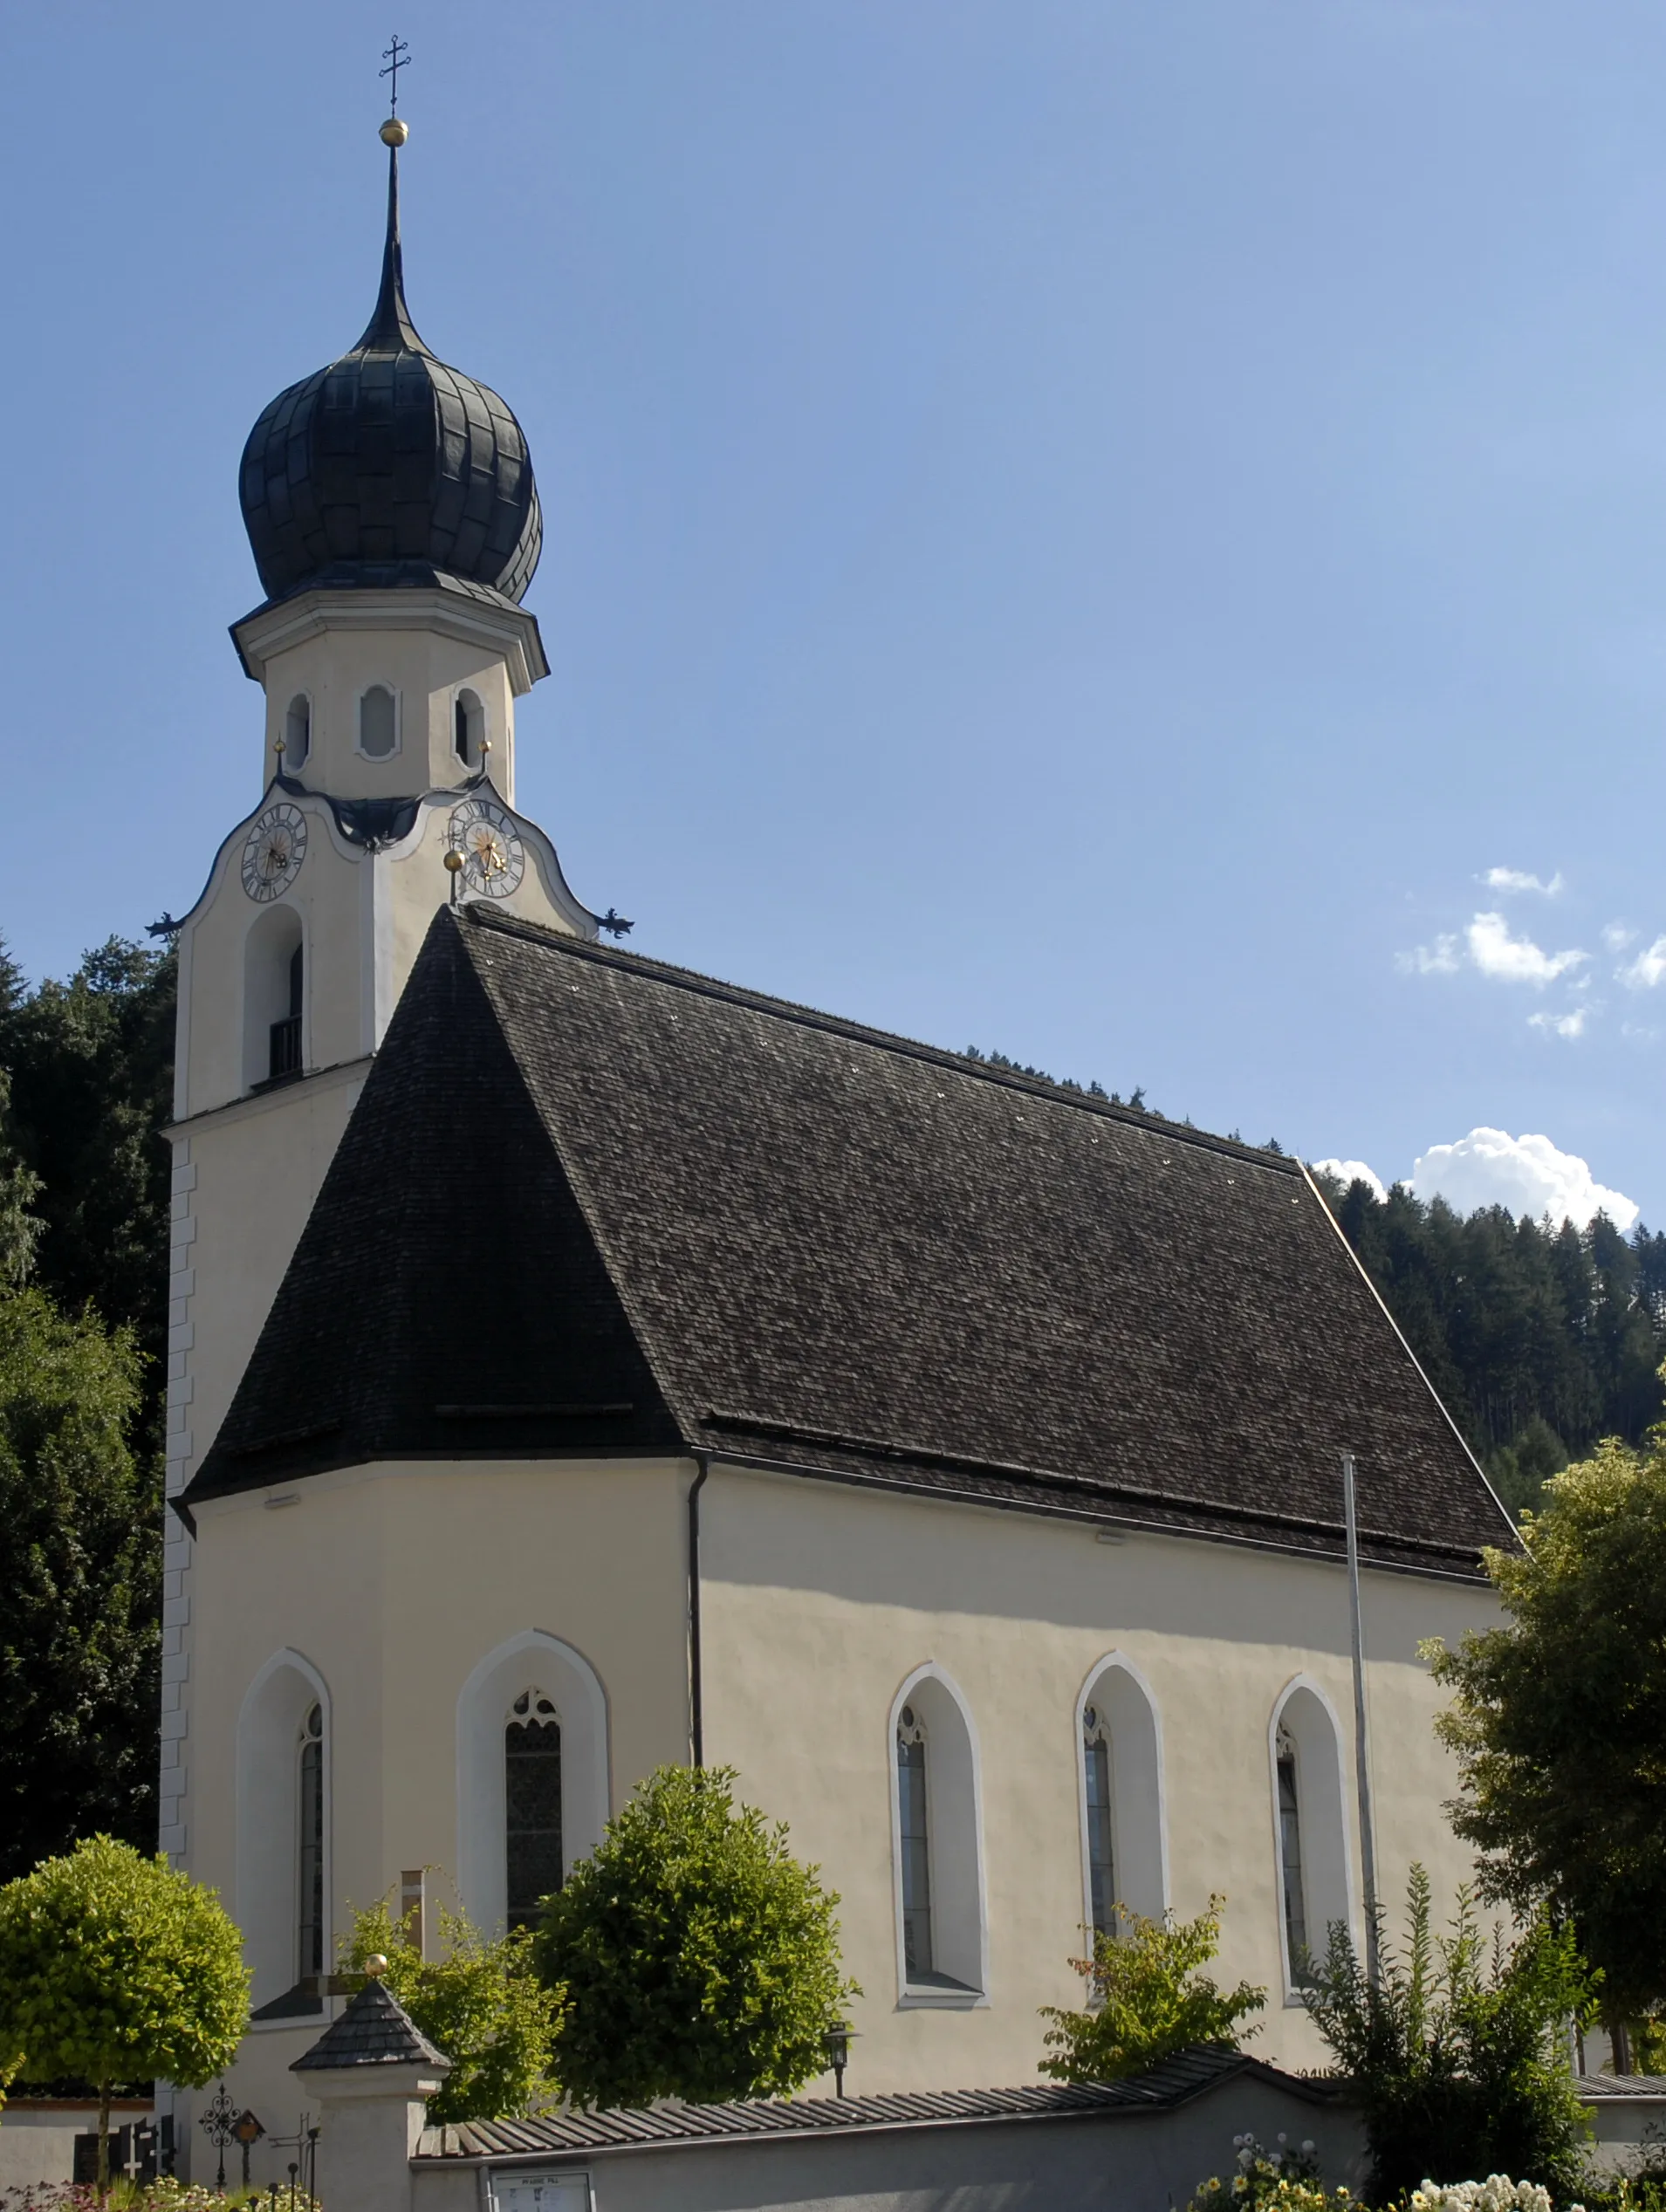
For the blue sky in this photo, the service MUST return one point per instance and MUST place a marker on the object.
(1090, 530)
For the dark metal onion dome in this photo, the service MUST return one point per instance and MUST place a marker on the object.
(387, 468)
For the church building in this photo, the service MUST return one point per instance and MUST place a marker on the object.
(578, 1364)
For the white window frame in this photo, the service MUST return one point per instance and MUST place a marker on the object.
(274, 1708)
(1138, 1798)
(955, 1844)
(565, 1676)
(1304, 1708)
(379, 683)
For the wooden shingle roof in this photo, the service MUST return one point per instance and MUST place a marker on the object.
(588, 1204)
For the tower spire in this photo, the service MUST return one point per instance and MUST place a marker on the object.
(390, 327)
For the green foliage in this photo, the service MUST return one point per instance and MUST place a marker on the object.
(481, 2003)
(1276, 2180)
(701, 1959)
(165, 2195)
(1457, 2055)
(1147, 1997)
(80, 1575)
(1559, 1720)
(1540, 1340)
(1520, 1472)
(115, 1967)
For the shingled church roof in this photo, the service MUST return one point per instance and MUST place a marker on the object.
(588, 1204)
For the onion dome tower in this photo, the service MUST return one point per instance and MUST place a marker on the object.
(389, 468)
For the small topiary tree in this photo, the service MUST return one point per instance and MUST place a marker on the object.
(481, 2003)
(700, 1959)
(1149, 1997)
(114, 1968)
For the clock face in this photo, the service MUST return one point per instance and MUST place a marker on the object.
(494, 859)
(273, 850)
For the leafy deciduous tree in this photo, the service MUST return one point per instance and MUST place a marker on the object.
(78, 1587)
(481, 2003)
(1559, 1720)
(699, 1958)
(115, 1967)
(1148, 1996)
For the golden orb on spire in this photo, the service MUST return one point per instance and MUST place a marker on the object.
(394, 131)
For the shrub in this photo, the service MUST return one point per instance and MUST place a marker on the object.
(1147, 1997)
(1497, 2193)
(481, 2003)
(1458, 2053)
(699, 1958)
(166, 2195)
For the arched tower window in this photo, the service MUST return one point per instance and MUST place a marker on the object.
(309, 1867)
(1125, 1852)
(274, 993)
(1310, 1829)
(298, 733)
(467, 728)
(914, 1837)
(378, 723)
(532, 1806)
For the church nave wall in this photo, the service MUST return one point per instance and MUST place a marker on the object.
(824, 1604)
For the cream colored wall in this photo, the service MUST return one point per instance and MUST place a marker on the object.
(819, 1600)
(394, 1583)
(425, 670)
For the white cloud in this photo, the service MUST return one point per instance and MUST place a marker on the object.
(1438, 959)
(1514, 960)
(1513, 880)
(1616, 936)
(1528, 1174)
(1352, 1171)
(1648, 967)
(1560, 1024)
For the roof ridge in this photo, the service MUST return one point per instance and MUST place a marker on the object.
(691, 979)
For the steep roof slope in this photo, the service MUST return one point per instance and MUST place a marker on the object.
(576, 1179)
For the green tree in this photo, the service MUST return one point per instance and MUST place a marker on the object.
(699, 1958)
(90, 1063)
(80, 1575)
(114, 1968)
(1559, 1720)
(1458, 2053)
(481, 2003)
(1148, 1996)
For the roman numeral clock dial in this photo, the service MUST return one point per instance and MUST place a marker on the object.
(494, 859)
(273, 850)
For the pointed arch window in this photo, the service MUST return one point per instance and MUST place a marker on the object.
(1101, 1856)
(309, 1866)
(915, 1838)
(1295, 1901)
(532, 1806)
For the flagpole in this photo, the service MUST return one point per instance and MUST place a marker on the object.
(1361, 1738)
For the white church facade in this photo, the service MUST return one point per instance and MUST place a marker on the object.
(578, 1364)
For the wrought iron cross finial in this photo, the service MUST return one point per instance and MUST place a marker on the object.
(397, 57)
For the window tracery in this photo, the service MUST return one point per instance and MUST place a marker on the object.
(533, 1865)
(1295, 1906)
(309, 1864)
(1102, 1860)
(915, 1842)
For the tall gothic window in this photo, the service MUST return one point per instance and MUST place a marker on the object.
(915, 1842)
(1295, 1902)
(309, 1866)
(1101, 1871)
(532, 1804)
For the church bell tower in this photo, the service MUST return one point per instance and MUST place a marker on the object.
(394, 521)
